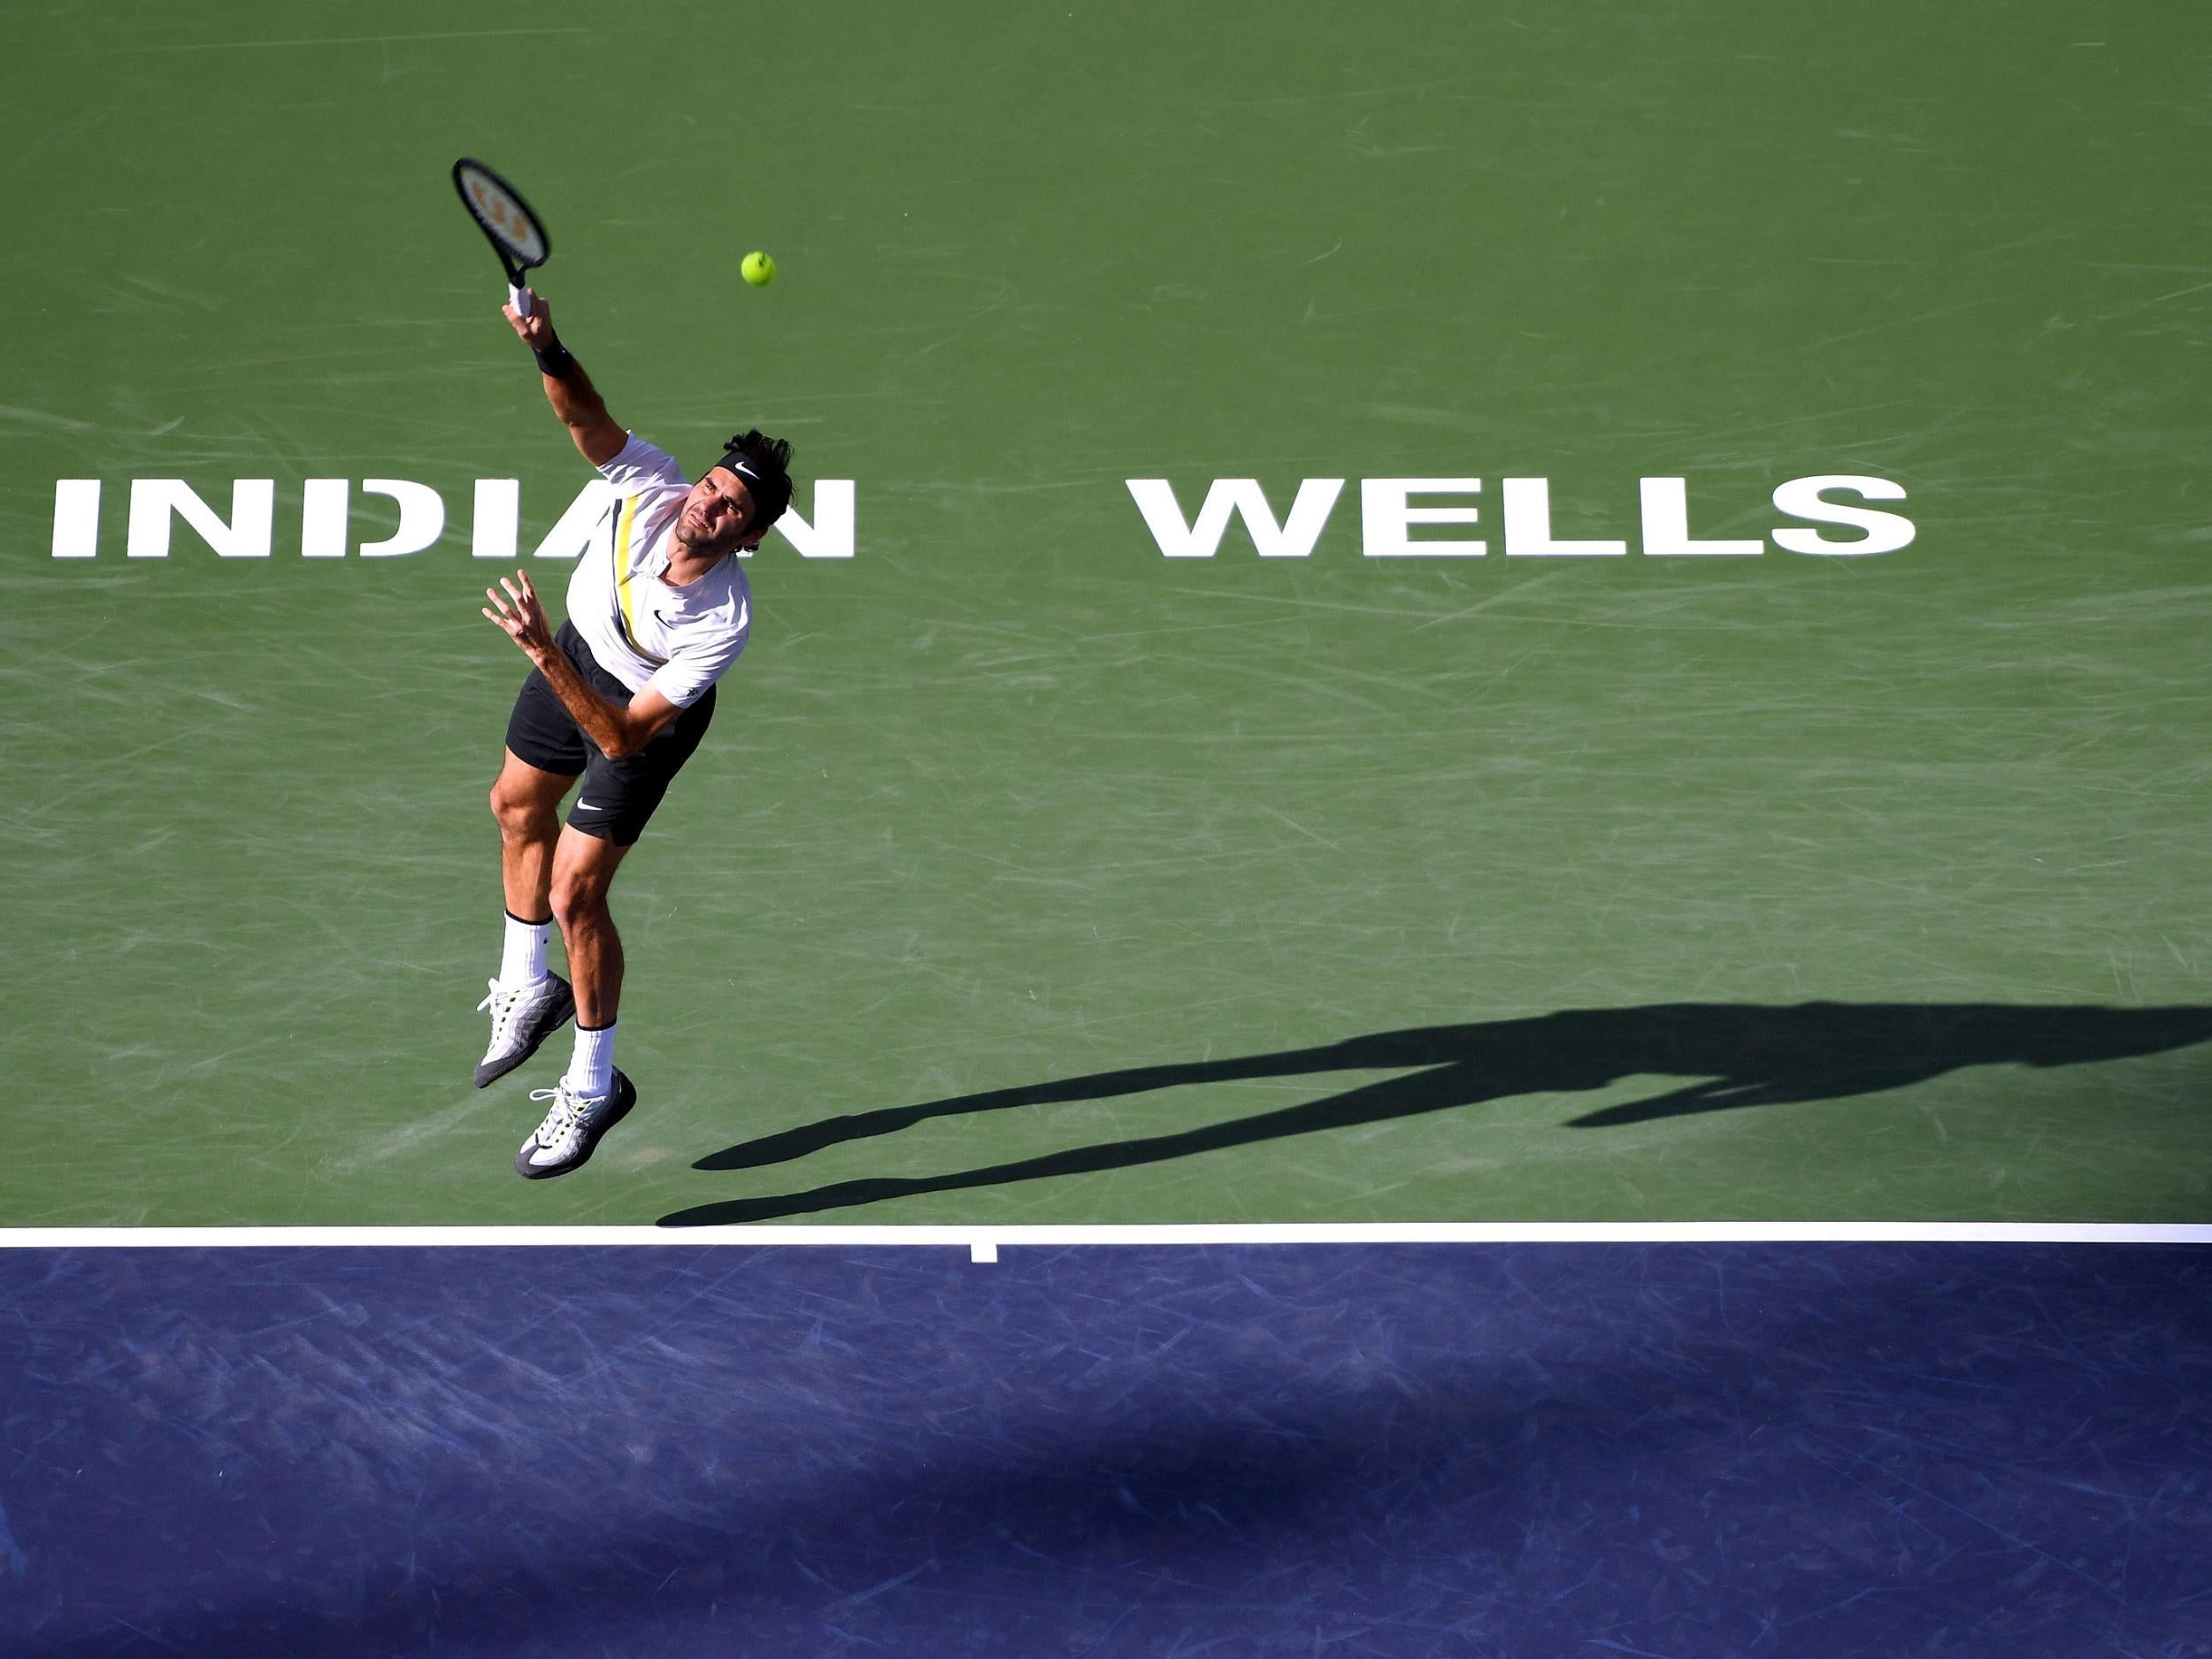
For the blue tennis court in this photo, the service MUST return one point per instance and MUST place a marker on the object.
(1647, 1449)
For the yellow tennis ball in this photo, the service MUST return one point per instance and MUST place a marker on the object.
(759, 269)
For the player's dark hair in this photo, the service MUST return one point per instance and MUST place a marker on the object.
(768, 460)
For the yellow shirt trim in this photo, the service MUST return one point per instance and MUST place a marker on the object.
(623, 595)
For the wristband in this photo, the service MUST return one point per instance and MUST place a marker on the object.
(556, 363)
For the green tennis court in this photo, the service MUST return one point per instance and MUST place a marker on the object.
(1030, 874)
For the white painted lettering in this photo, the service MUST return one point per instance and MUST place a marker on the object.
(1387, 515)
(1528, 526)
(421, 518)
(244, 537)
(1292, 538)
(829, 534)
(76, 517)
(1667, 524)
(323, 518)
(1800, 498)
(498, 519)
(571, 535)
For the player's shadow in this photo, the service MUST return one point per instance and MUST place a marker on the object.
(1745, 1056)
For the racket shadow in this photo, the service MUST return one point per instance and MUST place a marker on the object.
(1746, 1055)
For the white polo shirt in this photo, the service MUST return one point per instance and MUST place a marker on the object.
(642, 629)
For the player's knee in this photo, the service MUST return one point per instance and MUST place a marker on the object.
(518, 813)
(576, 898)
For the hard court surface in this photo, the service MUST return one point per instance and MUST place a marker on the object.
(1009, 799)
(1032, 877)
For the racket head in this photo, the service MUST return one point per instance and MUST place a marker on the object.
(516, 234)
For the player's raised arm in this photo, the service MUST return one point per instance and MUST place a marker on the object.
(567, 388)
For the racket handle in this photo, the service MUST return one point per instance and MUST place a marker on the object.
(520, 298)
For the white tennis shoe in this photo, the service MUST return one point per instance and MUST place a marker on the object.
(572, 1127)
(523, 1017)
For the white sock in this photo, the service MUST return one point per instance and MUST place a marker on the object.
(523, 962)
(591, 1073)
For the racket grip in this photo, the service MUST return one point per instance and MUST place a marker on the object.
(520, 298)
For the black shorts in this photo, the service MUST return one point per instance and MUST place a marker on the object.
(618, 795)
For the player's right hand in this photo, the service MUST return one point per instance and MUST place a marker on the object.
(536, 329)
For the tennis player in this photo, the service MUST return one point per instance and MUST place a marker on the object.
(657, 611)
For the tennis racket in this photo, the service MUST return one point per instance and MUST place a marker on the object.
(506, 219)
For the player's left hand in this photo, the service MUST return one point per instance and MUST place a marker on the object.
(521, 616)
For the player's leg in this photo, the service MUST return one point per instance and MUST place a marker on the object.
(581, 877)
(592, 1096)
(619, 796)
(544, 755)
(526, 802)
(528, 1003)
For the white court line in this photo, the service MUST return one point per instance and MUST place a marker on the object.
(979, 1239)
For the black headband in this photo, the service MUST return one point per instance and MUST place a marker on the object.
(770, 495)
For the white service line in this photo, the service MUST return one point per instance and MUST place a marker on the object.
(982, 1242)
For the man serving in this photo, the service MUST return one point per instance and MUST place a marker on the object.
(657, 611)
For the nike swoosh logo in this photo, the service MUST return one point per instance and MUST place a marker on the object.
(744, 615)
(591, 806)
